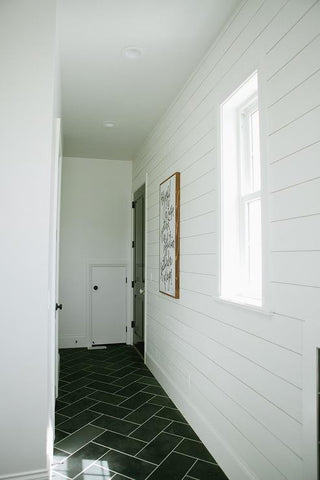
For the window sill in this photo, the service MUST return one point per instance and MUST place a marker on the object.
(237, 303)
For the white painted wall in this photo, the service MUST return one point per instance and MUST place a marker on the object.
(95, 228)
(27, 58)
(237, 374)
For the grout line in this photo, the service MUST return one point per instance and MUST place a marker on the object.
(89, 441)
(164, 459)
(123, 453)
(152, 416)
(186, 474)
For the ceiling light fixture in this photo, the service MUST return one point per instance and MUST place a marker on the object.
(132, 52)
(109, 124)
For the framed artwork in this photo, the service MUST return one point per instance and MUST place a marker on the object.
(169, 235)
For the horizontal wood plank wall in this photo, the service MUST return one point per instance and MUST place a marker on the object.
(237, 374)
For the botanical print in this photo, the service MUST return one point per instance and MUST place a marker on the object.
(168, 236)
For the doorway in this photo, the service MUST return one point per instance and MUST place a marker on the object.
(138, 269)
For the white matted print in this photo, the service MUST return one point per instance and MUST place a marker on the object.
(169, 235)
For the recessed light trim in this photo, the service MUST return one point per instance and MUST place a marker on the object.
(109, 124)
(132, 52)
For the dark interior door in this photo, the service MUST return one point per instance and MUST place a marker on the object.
(139, 283)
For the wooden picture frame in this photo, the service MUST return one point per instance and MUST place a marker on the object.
(169, 236)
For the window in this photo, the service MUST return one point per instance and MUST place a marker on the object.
(241, 239)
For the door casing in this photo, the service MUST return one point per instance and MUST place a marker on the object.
(141, 285)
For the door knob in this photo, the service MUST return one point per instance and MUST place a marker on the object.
(95, 287)
(141, 291)
(58, 306)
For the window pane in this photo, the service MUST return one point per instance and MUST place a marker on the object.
(255, 151)
(254, 248)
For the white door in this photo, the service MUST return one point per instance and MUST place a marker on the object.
(108, 304)
(56, 240)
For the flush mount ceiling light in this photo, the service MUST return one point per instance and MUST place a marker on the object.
(132, 52)
(109, 124)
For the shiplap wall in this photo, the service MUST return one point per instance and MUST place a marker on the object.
(237, 374)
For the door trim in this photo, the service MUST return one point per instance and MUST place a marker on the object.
(105, 263)
(145, 183)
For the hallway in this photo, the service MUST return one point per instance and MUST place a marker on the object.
(114, 421)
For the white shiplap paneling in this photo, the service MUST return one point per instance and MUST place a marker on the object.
(235, 373)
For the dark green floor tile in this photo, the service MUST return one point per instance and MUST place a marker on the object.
(136, 400)
(80, 460)
(143, 372)
(162, 401)
(78, 421)
(172, 414)
(70, 387)
(77, 407)
(123, 382)
(60, 405)
(195, 449)
(59, 456)
(59, 435)
(149, 381)
(131, 389)
(95, 472)
(150, 429)
(78, 439)
(62, 384)
(155, 390)
(120, 477)
(76, 395)
(104, 387)
(129, 466)
(120, 442)
(99, 370)
(122, 372)
(205, 471)
(143, 413)
(106, 378)
(106, 397)
(112, 410)
(159, 448)
(182, 430)
(59, 418)
(115, 424)
(75, 376)
(174, 467)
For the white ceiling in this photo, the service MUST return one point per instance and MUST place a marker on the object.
(99, 83)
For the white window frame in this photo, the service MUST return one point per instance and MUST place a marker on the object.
(240, 105)
(247, 194)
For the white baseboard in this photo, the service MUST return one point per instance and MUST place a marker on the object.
(229, 461)
(69, 341)
(34, 475)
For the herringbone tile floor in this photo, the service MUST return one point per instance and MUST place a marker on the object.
(114, 421)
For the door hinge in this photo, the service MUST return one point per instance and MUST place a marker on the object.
(126, 279)
(126, 329)
(132, 284)
(132, 244)
(132, 204)
(133, 324)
